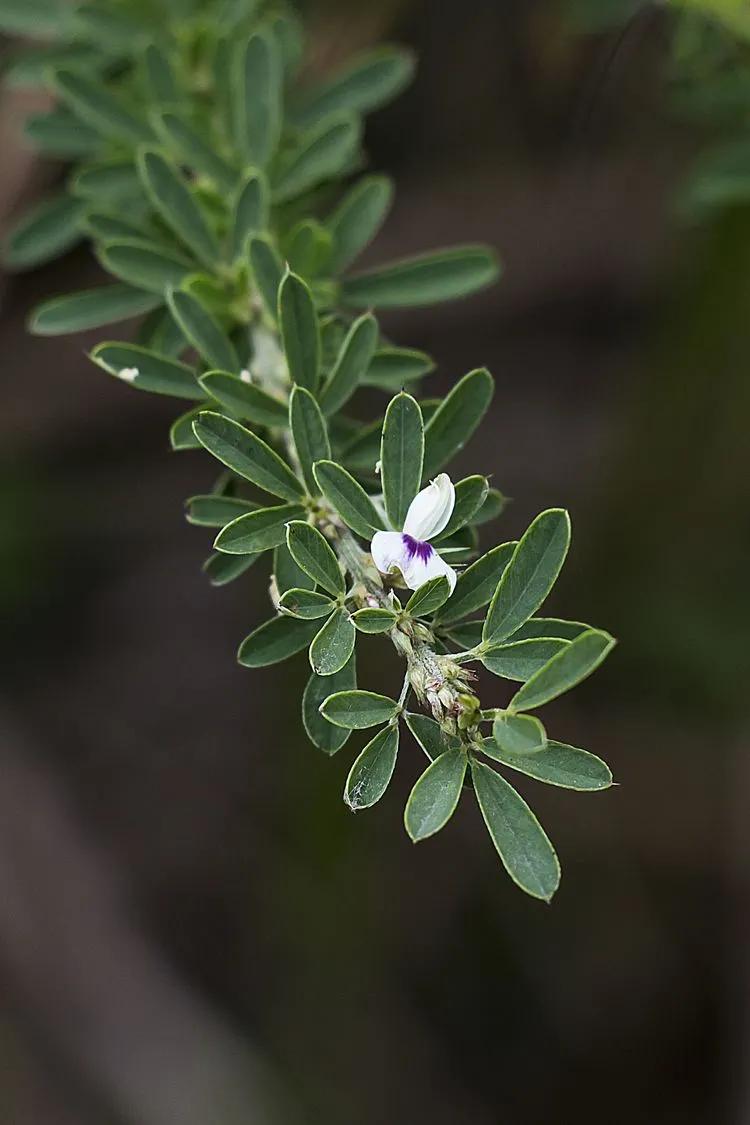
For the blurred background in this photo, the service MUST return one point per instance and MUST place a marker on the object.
(189, 915)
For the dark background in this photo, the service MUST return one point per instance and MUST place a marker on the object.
(185, 903)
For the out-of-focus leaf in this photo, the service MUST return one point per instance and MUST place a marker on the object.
(441, 275)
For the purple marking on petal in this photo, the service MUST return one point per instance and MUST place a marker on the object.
(415, 547)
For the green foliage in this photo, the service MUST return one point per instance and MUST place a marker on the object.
(222, 193)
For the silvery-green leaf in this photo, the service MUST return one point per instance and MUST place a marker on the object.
(90, 308)
(363, 450)
(573, 663)
(111, 183)
(98, 108)
(300, 334)
(147, 370)
(324, 735)
(348, 497)
(519, 734)
(61, 134)
(250, 216)
(215, 510)
(520, 660)
(144, 265)
(470, 492)
(430, 735)
(245, 400)
(245, 454)
(476, 585)
(31, 67)
(390, 368)
(333, 645)
(401, 456)
(190, 148)
(323, 152)
(307, 604)
(258, 109)
(311, 551)
(374, 620)
(434, 798)
(222, 569)
(429, 597)
(310, 433)
(368, 81)
(308, 248)
(549, 627)
(466, 635)
(177, 205)
(202, 330)
(521, 842)
(352, 362)
(456, 419)
(357, 710)
(529, 576)
(109, 28)
(440, 275)
(44, 232)
(276, 640)
(494, 505)
(267, 269)
(257, 531)
(159, 76)
(369, 776)
(181, 434)
(558, 764)
(286, 572)
(358, 218)
(33, 17)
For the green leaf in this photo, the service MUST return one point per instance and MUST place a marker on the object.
(250, 216)
(348, 497)
(177, 206)
(110, 228)
(215, 510)
(519, 734)
(44, 233)
(31, 67)
(258, 109)
(529, 576)
(275, 641)
(300, 334)
(307, 604)
(109, 29)
(549, 627)
(424, 279)
(520, 660)
(244, 399)
(202, 330)
(573, 663)
(401, 456)
(268, 271)
(558, 764)
(311, 551)
(476, 585)
(494, 505)
(456, 419)
(97, 107)
(257, 531)
(434, 798)
(310, 433)
(324, 735)
(144, 265)
(368, 81)
(308, 248)
(159, 76)
(429, 597)
(222, 569)
(470, 492)
(467, 635)
(181, 435)
(33, 17)
(146, 370)
(369, 776)
(326, 151)
(245, 454)
(521, 842)
(363, 451)
(112, 183)
(286, 573)
(374, 620)
(191, 149)
(358, 218)
(333, 645)
(390, 368)
(90, 308)
(357, 710)
(430, 735)
(354, 359)
(60, 133)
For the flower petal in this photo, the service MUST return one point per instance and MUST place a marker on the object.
(417, 571)
(431, 509)
(388, 550)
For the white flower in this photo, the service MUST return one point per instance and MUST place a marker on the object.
(409, 549)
